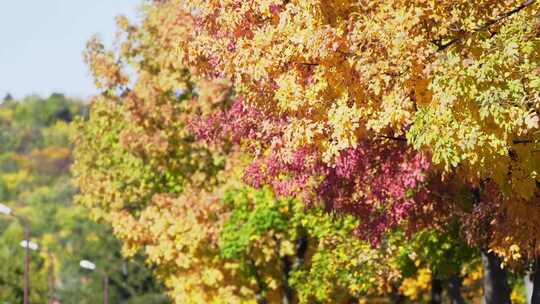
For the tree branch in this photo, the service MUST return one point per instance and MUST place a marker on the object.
(506, 15)
(523, 141)
(392, 137)
(442, 46)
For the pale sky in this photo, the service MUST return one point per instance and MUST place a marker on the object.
(41, 43)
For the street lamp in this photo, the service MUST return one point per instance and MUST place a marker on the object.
(27, 247)
(5, 209)
(87, 265)
(91, 266)
(34, 247)
(31, 245)
(51, 280)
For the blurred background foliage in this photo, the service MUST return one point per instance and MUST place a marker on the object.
(35, 159)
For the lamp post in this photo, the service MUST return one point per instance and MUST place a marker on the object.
(27, 246)
(91, 266)
(50, 278)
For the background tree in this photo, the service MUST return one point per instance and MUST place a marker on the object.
(35, 159)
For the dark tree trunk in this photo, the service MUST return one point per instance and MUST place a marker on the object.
(301, 250)
(261, 292)
(288, 294)
(399, 299)
(436, 291)
(535, 298)
(261, 299)
(496, 289)
(454, 290)
(396, 297)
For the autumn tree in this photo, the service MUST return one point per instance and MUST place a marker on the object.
(35, 159)
(401, 113)
(457, 80)
(150, 161)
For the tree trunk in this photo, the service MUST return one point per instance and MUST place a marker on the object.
(289, 296)
(454, 290)
(436, 291)
(399, 299)
(535, 298)
(261, 299)
(288, 293)
(527, 279)
(396, 297)
(261, 292)
(496, 289)
(301, 250)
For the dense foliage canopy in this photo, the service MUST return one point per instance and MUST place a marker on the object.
(412, 124)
